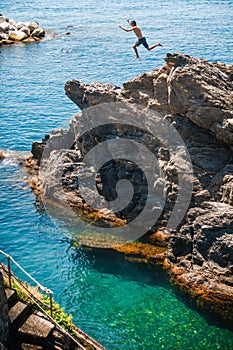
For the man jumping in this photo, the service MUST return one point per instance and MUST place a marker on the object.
(141, 38)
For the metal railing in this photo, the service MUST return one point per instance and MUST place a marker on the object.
(11, 276)
(2, 347)
(80, 336)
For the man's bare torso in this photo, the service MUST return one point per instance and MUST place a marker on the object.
(137, 32)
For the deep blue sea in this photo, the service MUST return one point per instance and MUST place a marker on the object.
(123, 305)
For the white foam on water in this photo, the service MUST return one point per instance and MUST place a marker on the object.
(12, 157)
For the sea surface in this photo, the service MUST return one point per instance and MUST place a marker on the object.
(121, 304)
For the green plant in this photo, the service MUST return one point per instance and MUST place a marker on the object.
(59, 315)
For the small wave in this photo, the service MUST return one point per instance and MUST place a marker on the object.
(11, 157)
(49, 35)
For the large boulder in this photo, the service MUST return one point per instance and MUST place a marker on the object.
(4, 26)
(17, 35)
(4, 36)
(38, 33)
(25, 29)
(32, 26)
(2, 19)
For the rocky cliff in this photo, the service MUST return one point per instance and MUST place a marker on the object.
(196, 98)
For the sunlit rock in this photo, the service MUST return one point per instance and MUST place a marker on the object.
(17, 35)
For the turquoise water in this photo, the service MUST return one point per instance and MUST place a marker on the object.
(123, 305)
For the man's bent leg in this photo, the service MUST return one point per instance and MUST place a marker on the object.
(153, 46)
(136, 51)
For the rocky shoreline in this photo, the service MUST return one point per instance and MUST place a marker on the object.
(196, 97)
(12, 32)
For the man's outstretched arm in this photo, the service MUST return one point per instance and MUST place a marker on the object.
(127, 29)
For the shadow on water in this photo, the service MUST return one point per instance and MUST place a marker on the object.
(110, 262)
(107, 261)
(211, 318)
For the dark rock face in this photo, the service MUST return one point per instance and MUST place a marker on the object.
(4, 319)
(38, 148)
(197, 98)
(204, 243)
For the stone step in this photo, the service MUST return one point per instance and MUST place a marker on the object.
(18, 312)
(11, 297)
(35, 329)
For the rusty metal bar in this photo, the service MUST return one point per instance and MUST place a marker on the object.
(51, 304)
(44, 289)
(9, 269)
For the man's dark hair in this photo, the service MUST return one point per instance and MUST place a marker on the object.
(134, 23)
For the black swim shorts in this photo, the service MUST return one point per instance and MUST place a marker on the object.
(143, 42)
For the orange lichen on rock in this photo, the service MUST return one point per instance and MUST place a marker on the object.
(205, 297)
(98, 216)
(32, 168)
(144, 251)
(31, 164)
(159, 238)
(33, 182)
(2, 156)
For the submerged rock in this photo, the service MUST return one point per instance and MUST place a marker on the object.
(196, 96)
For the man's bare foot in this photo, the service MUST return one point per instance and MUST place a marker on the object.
(137, 57)
(153, 46)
